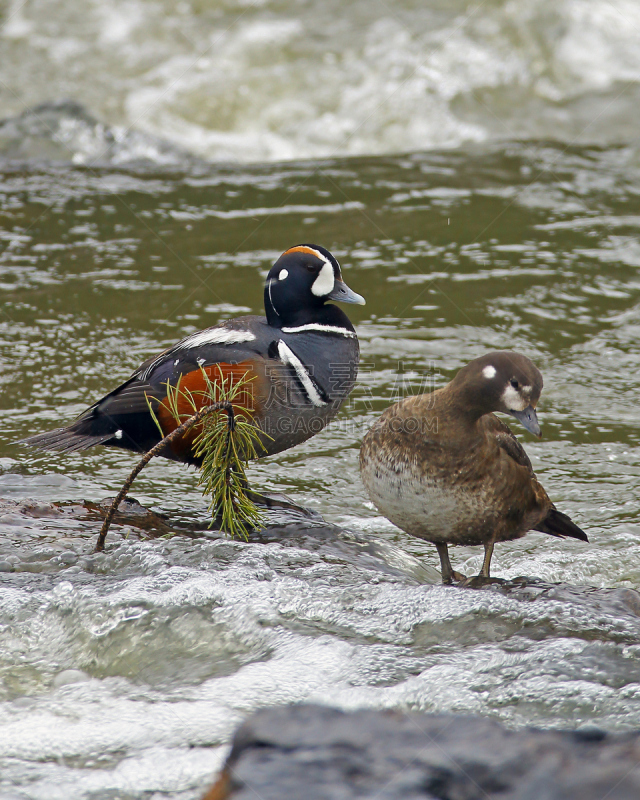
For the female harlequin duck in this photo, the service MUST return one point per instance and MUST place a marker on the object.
(302, 361)
(444, 468)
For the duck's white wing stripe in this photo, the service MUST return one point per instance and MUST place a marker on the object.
(289, 358)
(217, 336)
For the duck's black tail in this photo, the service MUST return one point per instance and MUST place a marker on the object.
(80, 435)
(558, 524)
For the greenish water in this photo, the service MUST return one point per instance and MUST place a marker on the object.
(532, 247)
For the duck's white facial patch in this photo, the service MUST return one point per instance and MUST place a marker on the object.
(284, 273)
(513, 400)
(118, 434)
(489, 372)
(325, 281)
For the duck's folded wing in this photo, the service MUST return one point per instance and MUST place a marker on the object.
(555, 523)
(121, 418)
(506, 439)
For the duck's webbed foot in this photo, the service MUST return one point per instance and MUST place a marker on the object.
(449, 575)
(478, 581)
(483, 578)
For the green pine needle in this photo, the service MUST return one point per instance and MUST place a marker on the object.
(225, 449)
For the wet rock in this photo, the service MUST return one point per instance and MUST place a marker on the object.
(64, 131)
(69, 676)
(40, 518)
(12, 510)
(130, 512)
(286, 523)
(609, 601)
(320, 753)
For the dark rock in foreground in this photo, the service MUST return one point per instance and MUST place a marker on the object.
(315, 753)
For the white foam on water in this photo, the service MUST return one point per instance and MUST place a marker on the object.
(180, 650)
(262, 81)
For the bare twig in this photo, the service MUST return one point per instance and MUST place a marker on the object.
(155, 451)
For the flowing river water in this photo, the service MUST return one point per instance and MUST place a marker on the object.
(124, 674)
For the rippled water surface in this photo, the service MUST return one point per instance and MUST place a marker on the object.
(124, 674)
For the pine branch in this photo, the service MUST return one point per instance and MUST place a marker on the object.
(225, 445)
(225, 452)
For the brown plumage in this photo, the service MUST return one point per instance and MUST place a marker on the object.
(444, 468)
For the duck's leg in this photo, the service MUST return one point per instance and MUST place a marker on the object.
(449, 575)
(483, 578)
(488, 552)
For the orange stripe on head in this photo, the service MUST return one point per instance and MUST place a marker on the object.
(301, 248)
(310, 251)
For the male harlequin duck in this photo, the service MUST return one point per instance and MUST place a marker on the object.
(444, 468)
(302, 361)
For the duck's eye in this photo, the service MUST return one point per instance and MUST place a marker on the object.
(311, 268)
(514, 383)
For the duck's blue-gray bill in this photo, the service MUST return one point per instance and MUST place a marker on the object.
(344, 294)
(529, 419)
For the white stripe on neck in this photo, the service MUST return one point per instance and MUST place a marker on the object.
(315, 326)
(289, 358)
